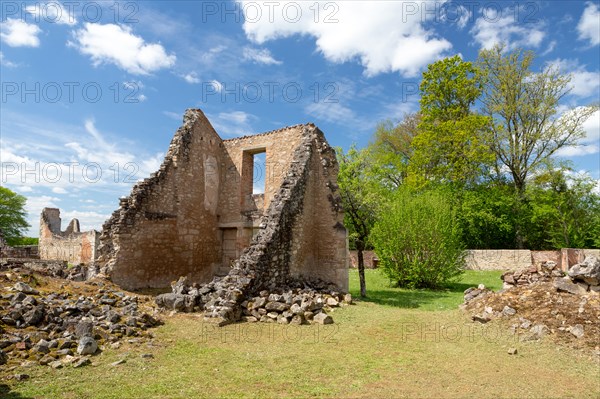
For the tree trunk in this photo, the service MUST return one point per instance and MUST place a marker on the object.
(519, 234)
(361, 270)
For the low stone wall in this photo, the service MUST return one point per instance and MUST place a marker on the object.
(498, 259)
(523, 259)
(20, 251)
(370, 258)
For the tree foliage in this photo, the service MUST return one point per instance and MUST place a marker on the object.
(565, 210)
(526, 130)
(451, 145)
(486, 216)
(12, 215)
(418, 240)
(359, 200)
(391, 150)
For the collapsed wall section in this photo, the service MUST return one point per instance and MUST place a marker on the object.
(71, 245)
(198, 217)
(302, 237)
(168, 226)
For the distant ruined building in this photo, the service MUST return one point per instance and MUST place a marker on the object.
(71, 245)
(197, 215)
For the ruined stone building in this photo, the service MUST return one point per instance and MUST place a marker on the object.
(198, 216)
(71, 245)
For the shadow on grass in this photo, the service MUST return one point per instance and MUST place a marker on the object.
(7, 393)
(449, 296)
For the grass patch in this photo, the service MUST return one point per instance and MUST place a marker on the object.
(396, 343)
(380, 292)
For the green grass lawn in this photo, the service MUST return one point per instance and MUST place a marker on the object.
(379, 291)
(395, 343)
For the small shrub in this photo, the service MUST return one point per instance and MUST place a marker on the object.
(418, 240)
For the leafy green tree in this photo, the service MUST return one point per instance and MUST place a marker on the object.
(523, 106)
(27, 241)
(486, 216)
(12, 215)
(565, 211)
(391, 149)
(359, 201)
(418, 240)
(451, 145)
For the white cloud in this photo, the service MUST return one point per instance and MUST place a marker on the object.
(217, 85)
(116, 44)
(173, 115)
(592, 129)
(232, 124)
(380, 34)
(17, 33)
(455, 14)
(59, 190)
(331, 112)
(191, 78)
(87, 220)
(589, 24)
(7, 63)
(25, 189)
(260, 56)
(33, 207)
(588, 145)
(97, 161)
(550, 48)
(53, 12)
(495, 29)
(583, 83)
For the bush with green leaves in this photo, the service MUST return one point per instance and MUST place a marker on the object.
(418, 240)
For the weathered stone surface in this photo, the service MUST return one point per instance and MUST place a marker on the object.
(25, 288)
(322, 318)
(57, 364)
(538, 331)
(87, 346)
(179, 302)
(508, 311)
(577, 330)
(34, 316)
(587, 271)
(512, 351)
(566, 285)
(71, 245)
(155, 237)
(81, 362)
(276, 306)
(42, 346)
(84, 329)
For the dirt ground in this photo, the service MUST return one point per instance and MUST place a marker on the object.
(540, 304)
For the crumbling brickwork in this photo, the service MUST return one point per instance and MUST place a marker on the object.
(197, 215)
(71, 245)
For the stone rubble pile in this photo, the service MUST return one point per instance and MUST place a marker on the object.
(581, 278)
(50, 268)
(548, 271)
(296, 303)
(545, 302)
(57, 329)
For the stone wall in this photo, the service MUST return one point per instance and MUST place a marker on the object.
(370, 258)
(197, 216)
(71, 245)
(19, 251)
(515, 259)
(168, 226)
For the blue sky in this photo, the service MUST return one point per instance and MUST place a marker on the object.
(92, 92)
